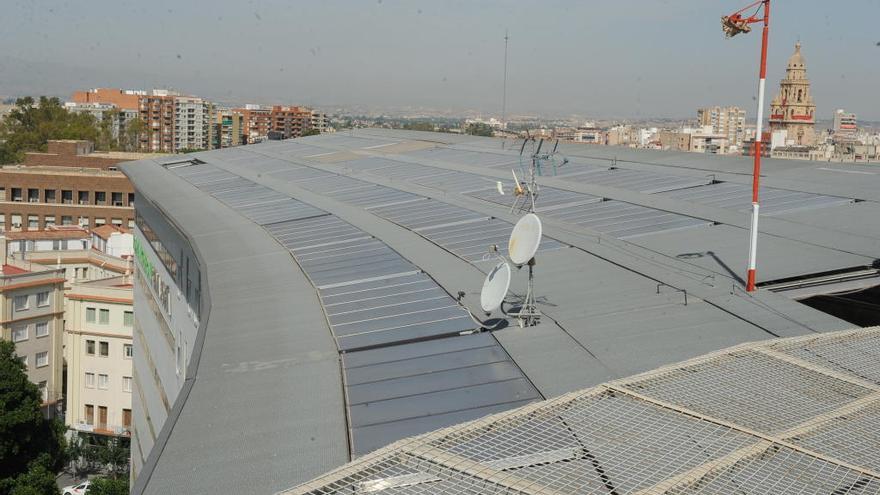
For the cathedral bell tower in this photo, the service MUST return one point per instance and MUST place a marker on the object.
(793, 109)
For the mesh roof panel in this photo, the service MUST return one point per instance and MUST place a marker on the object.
(752, 419)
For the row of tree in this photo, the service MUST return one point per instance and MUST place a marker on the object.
(33, 448)
(32, 123)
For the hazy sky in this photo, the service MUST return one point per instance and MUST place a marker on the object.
(619, 58)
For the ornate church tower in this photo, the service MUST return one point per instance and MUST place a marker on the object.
(793, 108)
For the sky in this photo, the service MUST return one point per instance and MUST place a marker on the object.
(612, 59)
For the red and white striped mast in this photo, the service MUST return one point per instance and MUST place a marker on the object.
(734, 24)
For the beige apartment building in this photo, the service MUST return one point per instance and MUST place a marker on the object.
(99, 355)
(729, 122)
(32, 305)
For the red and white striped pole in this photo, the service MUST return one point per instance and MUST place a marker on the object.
(753, 233)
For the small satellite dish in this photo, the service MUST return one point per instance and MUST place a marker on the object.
(525, 239)
(495, 287)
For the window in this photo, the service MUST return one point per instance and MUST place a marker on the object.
(19, 333)
(21, 303)
(126, 419)
(90, 347)
(49, 220)
(128, 318)
(83, 197)
(16, 194)
(23, 360)
(126, 384)
(42, 329)
(90, 380)
(104, 317)
(42, 359)
(90, 414)
(130, 199)
(127, 351)
(90, 315)
(33, 195)
(66, 196)
(100, 197)
(33, 222)
(105, 348)
(66, 220)
(116, 197)
(50, 195)
(42, 299)
(100, 221)
(116, 221)
(103, 381)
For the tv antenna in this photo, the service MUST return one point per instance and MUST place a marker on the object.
(523, 244)
(526, 188)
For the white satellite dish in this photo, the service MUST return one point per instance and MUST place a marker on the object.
(495, 287)
(525, 239)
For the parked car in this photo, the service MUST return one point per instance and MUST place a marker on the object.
(80, 489)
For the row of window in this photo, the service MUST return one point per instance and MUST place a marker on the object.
(102, 316)
(102, 417)
(41, 359)
(51, 196)
(23, 302)
(104, 381)
(22, 332)
(33, 221)
(103, 348)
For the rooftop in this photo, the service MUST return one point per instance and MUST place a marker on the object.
(51, 233)
(107, 230)
(13, 270)
(796, 415)
(359, 242)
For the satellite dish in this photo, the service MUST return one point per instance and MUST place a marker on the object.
(495, 287)
(525, 239)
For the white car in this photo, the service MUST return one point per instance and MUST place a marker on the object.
(80, 489)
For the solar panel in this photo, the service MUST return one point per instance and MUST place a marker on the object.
(418, 386)
(739, 197)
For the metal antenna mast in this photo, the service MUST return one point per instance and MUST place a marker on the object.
(504, 91)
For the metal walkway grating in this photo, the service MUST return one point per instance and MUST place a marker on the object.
(751, 419)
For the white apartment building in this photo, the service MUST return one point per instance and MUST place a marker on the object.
(192, 123)
(99, 351)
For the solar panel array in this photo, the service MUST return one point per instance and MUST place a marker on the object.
(790, 416)
(739, 197)
(410, 360)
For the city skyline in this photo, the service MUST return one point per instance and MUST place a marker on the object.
(345, 54)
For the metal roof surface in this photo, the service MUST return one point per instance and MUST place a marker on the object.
(627, 279)
(797, 415)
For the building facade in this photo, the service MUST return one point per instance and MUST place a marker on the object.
(793, 108)
(229, 129)
(157, 115)
(168, 306)
(32, 303)
(66, 187)
(192, 123)
(727, 121)
(290, 122)
(99, 353)
(257, 122)
(845, 127)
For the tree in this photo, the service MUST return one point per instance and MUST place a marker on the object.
(310, 132)
(480, 129)
(114, 456)
(132, 134)
(30, 125)
(30, 445)
(419, 126)
(109, 486)
(35, 481)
